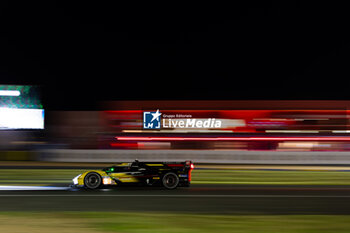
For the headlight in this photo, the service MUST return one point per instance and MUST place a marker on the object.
(75, 179)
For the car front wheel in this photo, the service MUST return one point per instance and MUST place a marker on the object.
(92, 180)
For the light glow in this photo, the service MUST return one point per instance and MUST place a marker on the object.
(10, 93)
(107, 180)
(21, 118)
(75, 179)
(326, 138)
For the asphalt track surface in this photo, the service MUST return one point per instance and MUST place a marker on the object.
(218, 199)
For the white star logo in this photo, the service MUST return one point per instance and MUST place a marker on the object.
(156, 115)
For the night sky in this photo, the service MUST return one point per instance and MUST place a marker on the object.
(82, 53)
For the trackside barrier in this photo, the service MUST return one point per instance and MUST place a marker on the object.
(16, 155)
(197, 156)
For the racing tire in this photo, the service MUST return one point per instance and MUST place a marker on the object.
(92, 180)
(170, 180)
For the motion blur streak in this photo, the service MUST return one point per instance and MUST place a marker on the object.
(9, 93)
(126, 138)
(30, 188)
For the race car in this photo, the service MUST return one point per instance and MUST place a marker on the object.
(167, 174)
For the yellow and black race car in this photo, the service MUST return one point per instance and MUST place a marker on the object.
(167, 174)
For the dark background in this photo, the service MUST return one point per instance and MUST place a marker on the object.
(85, 52)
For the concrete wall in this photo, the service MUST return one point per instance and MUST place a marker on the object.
(197, 156)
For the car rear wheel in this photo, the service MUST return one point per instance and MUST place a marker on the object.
(92, 180)
(170, 180)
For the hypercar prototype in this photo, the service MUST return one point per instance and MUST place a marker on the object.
(167, 174)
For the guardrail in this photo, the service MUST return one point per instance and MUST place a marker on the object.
(197, 156)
